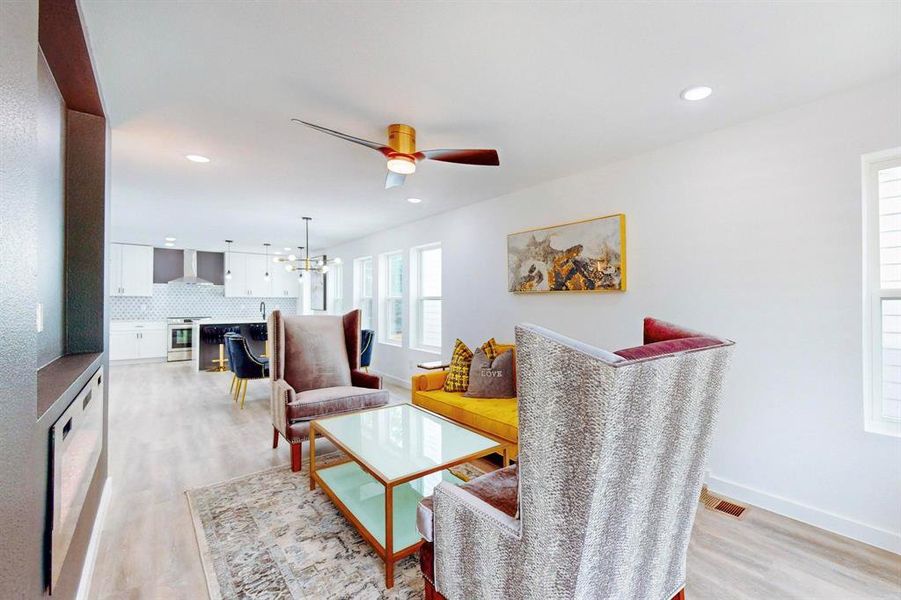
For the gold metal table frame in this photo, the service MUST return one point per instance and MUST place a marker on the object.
(387, 552)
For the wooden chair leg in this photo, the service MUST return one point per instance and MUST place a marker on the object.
(274, 437)
(295, 457)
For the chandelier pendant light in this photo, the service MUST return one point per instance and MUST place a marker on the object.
(304, 264)
(228, 262)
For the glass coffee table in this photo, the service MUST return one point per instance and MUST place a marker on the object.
(396, 455)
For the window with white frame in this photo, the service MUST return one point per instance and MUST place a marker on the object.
(335, 289)
(426, 297)
(363, 290)
(391, 294)
(882, 351)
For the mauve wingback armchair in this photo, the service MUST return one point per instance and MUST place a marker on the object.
(315, 372)
(612, 448)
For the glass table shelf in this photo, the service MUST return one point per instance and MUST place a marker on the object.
(364, 496)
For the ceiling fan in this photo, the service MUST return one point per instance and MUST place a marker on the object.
(402, 155)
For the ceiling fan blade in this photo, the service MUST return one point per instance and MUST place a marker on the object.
(374, 145)
(394, 180)
(463, 157)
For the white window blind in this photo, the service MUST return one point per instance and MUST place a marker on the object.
(427, 303)
(335, 289)
(363, 290)
(391, 284)
(883, 409)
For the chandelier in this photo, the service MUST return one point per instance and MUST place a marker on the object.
(306, 264)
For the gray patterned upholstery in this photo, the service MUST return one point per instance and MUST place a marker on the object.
(612, 454)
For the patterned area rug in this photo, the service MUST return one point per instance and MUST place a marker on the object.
(266, 535)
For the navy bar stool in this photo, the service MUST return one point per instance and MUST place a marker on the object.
(215, 334)
(244, 364)
(366, 338)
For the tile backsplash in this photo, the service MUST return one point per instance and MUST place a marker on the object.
(192, 301)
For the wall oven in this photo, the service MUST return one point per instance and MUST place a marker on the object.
(180, 332)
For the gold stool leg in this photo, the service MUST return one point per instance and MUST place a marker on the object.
(220, 362)
(232, 386)
(265, 349)
(244, 395)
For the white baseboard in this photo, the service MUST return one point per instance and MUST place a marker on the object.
(868, 534)
(404, 383)
(90, 559)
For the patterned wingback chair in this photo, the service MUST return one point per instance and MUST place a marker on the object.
(612, 448)
(315, 372)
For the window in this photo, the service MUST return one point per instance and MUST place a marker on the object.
(335, 289)
(426, 314)
(882, 304)
(363, 290)
(391, 291)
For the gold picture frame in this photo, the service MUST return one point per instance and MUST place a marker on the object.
(589, 256)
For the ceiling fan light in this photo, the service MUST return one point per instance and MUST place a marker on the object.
(402, 165)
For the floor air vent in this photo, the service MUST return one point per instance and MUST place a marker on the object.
(714, 502)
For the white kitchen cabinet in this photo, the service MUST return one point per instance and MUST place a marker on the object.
(236, 285)
(257, 267)
(123, 345)
(131, 270)
(284, 284)
(248, 278)
(133, 340)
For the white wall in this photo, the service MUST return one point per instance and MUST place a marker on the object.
(752, 232)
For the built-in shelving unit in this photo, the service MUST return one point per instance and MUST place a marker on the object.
(64, 377)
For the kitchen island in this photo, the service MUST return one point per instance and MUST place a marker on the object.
(203, 354)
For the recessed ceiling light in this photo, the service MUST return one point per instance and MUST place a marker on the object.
(697, 92)
(414, 200)
(197, 158)
(278, 252)
(170, 239)
(286, 249)
(169, 244)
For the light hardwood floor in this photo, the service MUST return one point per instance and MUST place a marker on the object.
(172, 429)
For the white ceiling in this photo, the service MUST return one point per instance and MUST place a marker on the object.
(555, 87)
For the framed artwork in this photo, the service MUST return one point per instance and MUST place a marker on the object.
(317, 286)
(585, 256)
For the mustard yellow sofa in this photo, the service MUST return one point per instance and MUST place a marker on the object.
(496, 416)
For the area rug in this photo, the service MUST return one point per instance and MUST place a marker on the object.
(267, 535)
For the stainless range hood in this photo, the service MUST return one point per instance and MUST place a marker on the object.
(189, 277)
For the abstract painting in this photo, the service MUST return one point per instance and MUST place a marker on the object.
(587, 255)
(318, 286)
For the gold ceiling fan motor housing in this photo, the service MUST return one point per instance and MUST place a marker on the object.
(402, 138)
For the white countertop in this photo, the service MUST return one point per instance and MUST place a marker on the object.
(235, 321)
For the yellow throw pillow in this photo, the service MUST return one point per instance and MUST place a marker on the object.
(490, 349)
(458, 373)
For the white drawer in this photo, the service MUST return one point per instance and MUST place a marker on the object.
(137, 325)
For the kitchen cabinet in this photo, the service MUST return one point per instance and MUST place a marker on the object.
(131, 270)
(249, 276)
(134, 340)
(284, 284)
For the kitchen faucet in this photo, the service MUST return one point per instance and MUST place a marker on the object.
(263, 309)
